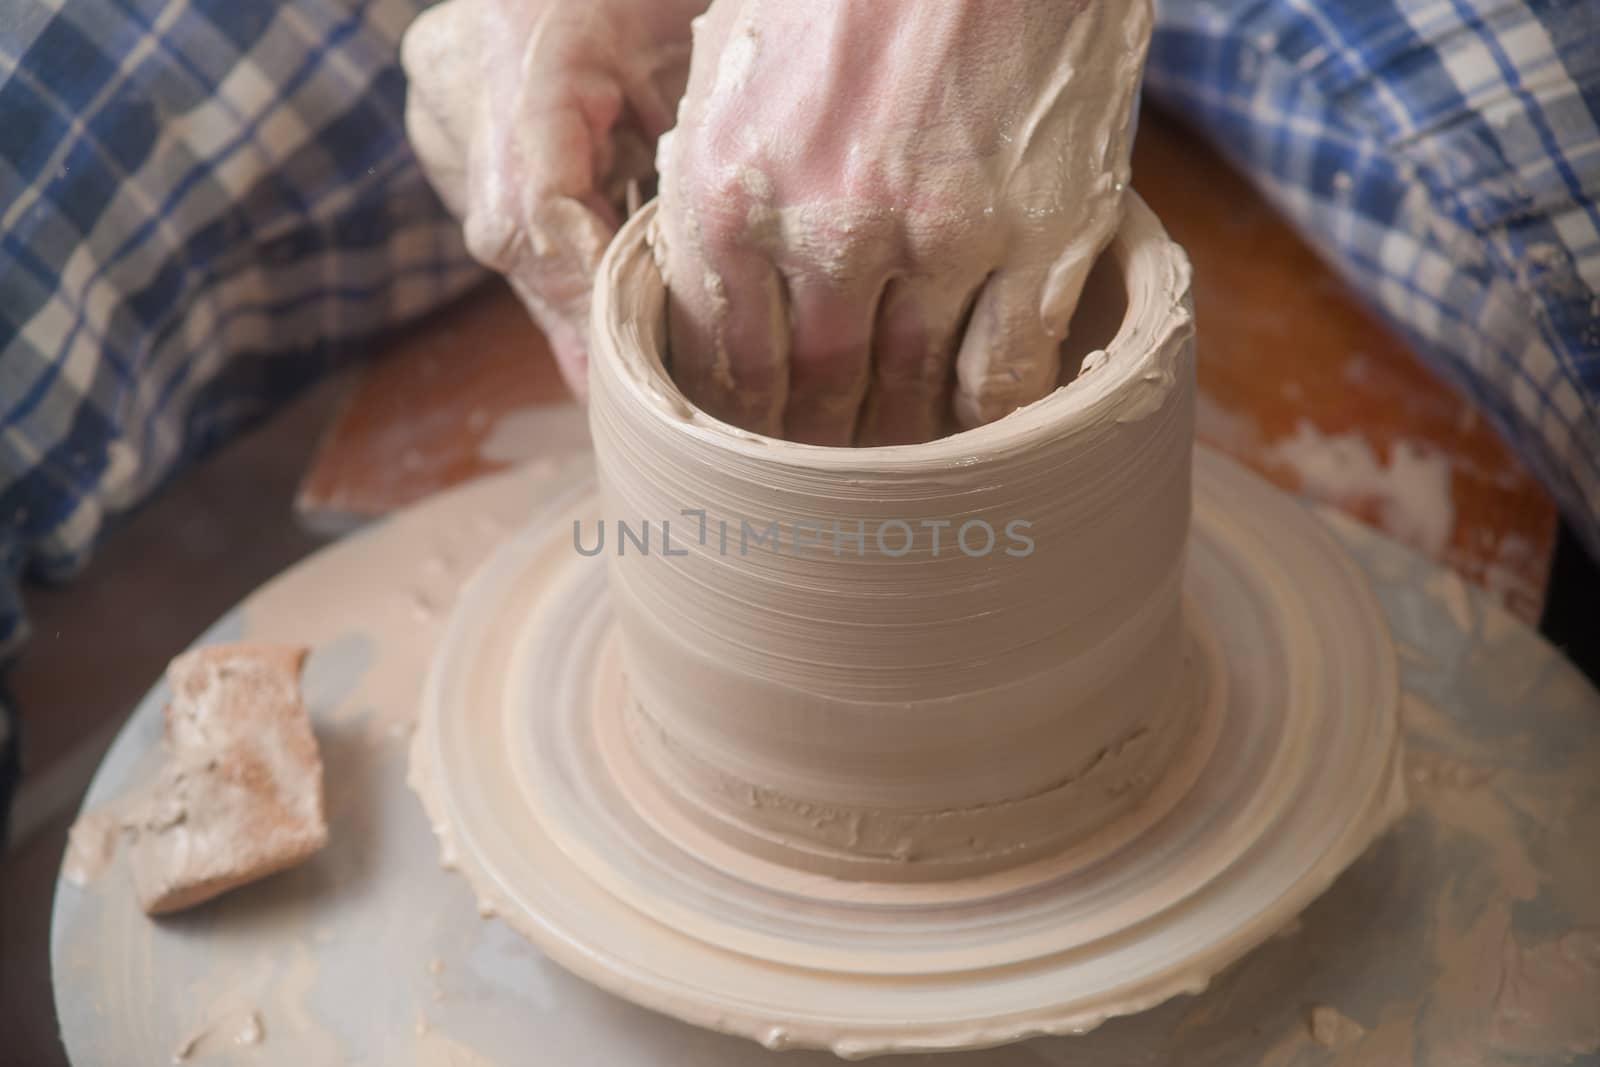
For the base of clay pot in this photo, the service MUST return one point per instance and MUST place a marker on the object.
(525, 764)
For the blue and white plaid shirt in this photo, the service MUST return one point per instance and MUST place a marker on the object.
(1445, 156)
(206, 204)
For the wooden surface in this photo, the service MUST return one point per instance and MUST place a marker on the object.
(1296, 375)
(1297, 380)
(419, 418)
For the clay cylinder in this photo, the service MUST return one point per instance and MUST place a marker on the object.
(911, 661)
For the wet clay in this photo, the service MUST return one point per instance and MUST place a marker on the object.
(908, 662)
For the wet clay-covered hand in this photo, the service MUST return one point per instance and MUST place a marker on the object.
(877, 216)
(530, 117)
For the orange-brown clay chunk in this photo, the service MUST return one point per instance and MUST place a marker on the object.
(240, 796)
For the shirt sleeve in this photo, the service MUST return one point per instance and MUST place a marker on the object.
(204, 206)
(1445, 157)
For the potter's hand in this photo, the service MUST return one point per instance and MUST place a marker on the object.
(859, 194)
(530, 117)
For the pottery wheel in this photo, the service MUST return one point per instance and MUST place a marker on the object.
(1471, 930)
(527, 768)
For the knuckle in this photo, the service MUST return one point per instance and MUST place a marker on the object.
(704, 202)
(720, 213)
(489, 237)
(953, 239)
(433, 41)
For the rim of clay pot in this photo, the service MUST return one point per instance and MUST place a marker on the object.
(629, 319)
